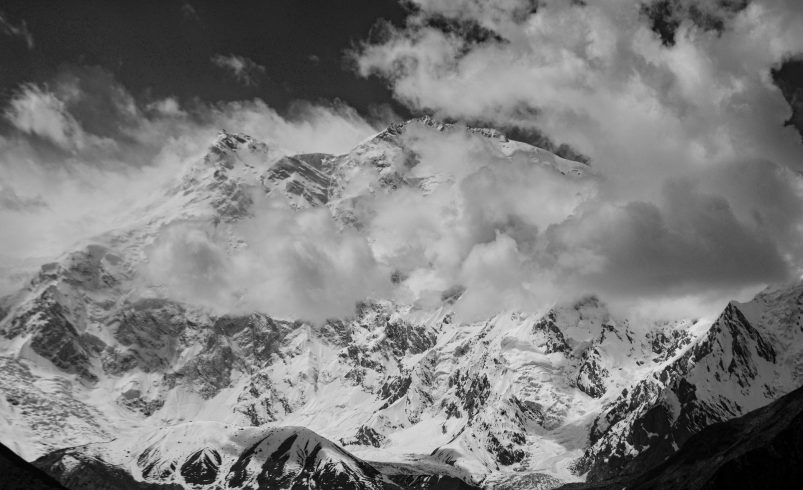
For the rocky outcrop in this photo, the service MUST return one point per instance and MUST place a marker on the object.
(306, 176)
(592, 374)
(549, 335)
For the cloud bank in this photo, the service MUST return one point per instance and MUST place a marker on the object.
(673, 101)
(694, 195)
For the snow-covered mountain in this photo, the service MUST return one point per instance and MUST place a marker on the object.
(104, 367)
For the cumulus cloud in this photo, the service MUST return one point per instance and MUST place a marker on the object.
(699, 195)
(245, 70)
(523, 236)
(19, 31)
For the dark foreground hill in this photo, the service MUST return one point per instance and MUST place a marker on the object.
(760, 450)
(18, 474)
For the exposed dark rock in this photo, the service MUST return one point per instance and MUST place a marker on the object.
(150, 328)
(472, 390)
(592, 374)
(133, 400)
(506, 454)
(303, 175)
(336, 331)
(208, 372)
(201, 467)
(528, 411)
(788, 76)
(365, 436)
(667, 343)
(393, 390)
(256, 336)
(555, 340)
(430, 482)
(87, 268)
(260, 402)
(404, 338)
(53, 336)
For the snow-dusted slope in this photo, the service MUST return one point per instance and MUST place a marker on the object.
(91, 352)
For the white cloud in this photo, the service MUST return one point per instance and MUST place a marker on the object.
(245, 70)
(682, 136)
(37, 111)
(294, 265)
(598, 77)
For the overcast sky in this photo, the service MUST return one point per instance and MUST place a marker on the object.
(684, 108)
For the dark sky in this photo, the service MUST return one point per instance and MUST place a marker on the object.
(162, 48)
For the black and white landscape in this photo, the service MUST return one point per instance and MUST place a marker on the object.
(434, 244)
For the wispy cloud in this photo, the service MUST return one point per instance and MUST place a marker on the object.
(19, 31)
(244, 70)
(37, 111)
(189, 13)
